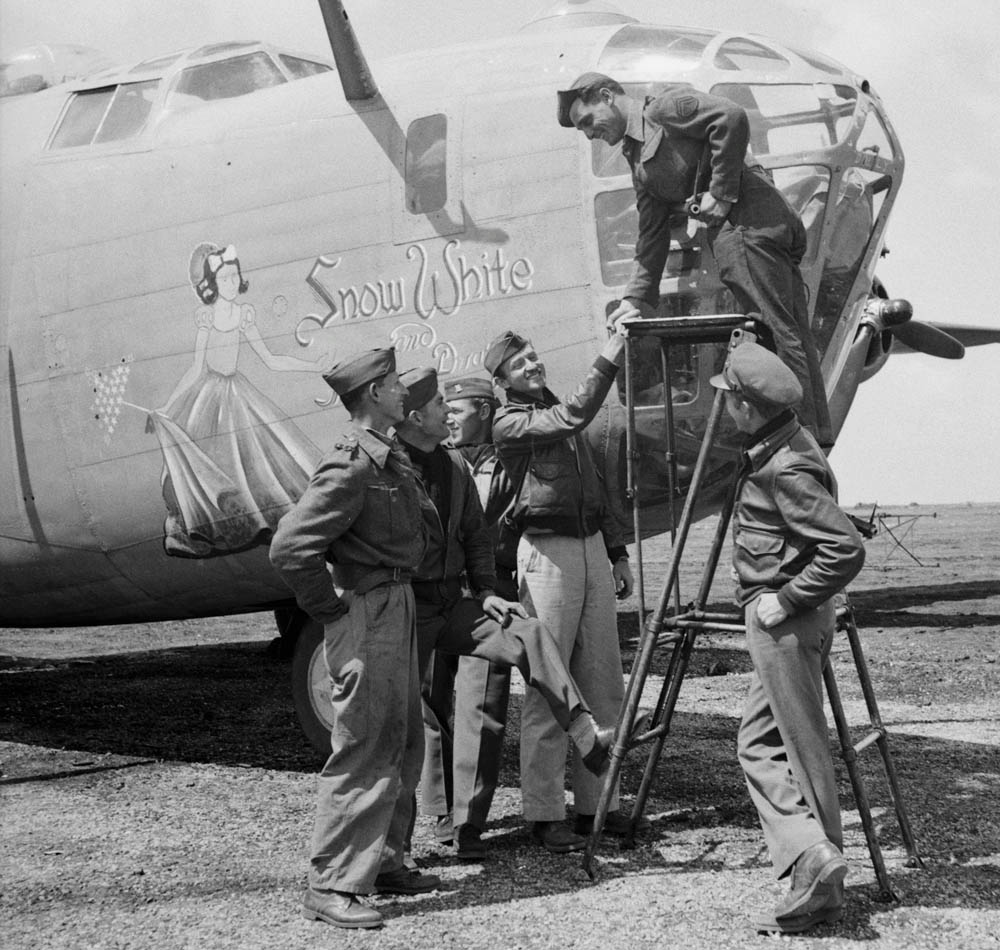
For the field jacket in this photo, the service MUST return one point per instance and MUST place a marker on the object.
(361, 512)
(546, 456)
(789, 535)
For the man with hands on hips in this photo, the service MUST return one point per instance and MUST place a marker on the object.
(362, 512)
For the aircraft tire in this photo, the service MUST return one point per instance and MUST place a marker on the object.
(311, 687)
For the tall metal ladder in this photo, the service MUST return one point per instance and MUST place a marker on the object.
(678, 628)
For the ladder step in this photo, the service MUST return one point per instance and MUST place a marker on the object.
(868, 740)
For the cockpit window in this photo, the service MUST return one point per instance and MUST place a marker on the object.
(301, 68)
(742, 53)
(110, 114)
(790, 117)
(653, 51)
(874, 138)
(817, 61)
(229, 78)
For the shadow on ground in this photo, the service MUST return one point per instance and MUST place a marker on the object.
(895, 606)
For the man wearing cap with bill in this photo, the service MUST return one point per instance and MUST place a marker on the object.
(571, 562)
(459, 554)
(460, 776)
(685, 145)
(362, 512)
(793, 550)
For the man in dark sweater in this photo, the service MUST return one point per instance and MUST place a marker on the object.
(459, 557)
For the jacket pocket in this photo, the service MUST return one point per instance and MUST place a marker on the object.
(760, 544)
(380, 500)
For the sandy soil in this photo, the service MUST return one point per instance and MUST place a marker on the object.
(156, 791)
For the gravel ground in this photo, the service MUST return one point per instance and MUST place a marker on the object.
(162, 799)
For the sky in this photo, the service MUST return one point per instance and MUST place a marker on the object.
(923, 430)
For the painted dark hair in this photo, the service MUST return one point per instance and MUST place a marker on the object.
(208, 288)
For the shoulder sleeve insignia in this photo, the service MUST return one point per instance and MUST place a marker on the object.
(686, 106)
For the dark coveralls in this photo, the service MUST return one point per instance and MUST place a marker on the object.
(450, 621)
(362, 511)
(790, 538)
(757, 249)
(461, 777)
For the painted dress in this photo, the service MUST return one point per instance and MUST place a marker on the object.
(233, 462)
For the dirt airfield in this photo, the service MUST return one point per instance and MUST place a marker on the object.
(156, 792)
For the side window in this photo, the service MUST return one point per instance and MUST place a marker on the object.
(83, 118)
(301, 68)
(106, 115)
(426, 164)
(129, 111)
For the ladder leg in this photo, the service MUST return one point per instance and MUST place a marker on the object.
(850, 757)
(650, 635)
(661, 726)
(882, 741)
(678, 665)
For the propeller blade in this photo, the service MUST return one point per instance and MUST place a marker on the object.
(928, 339)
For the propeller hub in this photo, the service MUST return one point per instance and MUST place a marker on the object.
(890, 313)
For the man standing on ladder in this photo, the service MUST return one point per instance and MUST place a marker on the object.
(793, 550)
(687, 151)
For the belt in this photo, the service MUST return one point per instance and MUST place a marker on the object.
(437, 592)
(380, 577)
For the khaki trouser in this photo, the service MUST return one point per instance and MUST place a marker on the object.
(784, 742)
(377, 742)
(460, 775)
(566, 583)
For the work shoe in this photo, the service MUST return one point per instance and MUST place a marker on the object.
(340, 909)
(469, 844)
(444, 830)
(556, 837)
(405, 881)
(817, 877)
(616, 823)
(825, 914)
(596, 760)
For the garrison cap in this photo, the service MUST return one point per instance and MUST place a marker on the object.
(365, 368)
(758, 374)
(586, 83)
(469, 387)
(421, 387)
(503, 348)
